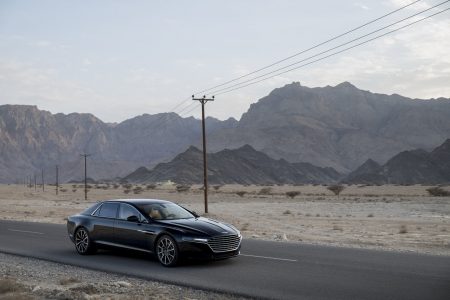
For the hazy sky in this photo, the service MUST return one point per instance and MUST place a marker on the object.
(119, 59)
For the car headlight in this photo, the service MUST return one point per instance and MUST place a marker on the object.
(193, 239)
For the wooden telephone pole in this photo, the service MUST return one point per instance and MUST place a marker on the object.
(85, 174)
(57, 180)
(203, 101)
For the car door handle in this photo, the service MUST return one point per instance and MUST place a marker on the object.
(146, 231)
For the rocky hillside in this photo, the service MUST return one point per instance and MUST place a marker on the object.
(32, 139)
(340, 126)
(407, 167)
(240, 166)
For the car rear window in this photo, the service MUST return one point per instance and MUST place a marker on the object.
(107, 210)
(90, 210)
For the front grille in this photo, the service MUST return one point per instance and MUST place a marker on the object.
(224, 243)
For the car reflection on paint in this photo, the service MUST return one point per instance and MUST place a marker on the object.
(163, 228)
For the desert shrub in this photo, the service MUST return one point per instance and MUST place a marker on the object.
(265, 191)
(183, 188)
(292, 194)
(74, 190)
(403, 229)
(116, 186)
(287, 212)
(151, 186)
(337, 227)
(126, 191)
(128, 186)
(217, 187)
(8, 285)
(370, 216)
(68, 281)
(438, 192)
(138, 190)
(336, 189)
(241, 193)
(63, 190)
(74, 185)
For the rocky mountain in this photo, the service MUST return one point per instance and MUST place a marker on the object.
(32, 139)
(340, 126)
(244, 165)
(407, 167)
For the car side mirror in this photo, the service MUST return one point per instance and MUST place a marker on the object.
(133, 219)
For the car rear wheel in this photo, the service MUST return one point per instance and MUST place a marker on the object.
(83, 243)
(167, 251)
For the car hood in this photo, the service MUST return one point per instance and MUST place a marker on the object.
(202, 225)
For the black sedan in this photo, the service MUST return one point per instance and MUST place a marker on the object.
(161, 227)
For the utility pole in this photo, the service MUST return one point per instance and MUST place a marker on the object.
(85, 174)
(57, 180)
(35, 189)
(203, 101)
(42, 178)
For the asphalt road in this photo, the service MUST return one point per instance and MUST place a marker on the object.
(263, 270)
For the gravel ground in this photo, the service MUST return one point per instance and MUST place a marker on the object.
(27, 278)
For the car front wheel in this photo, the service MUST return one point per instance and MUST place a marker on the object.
(167, 251)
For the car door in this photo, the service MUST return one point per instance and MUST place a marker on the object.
(132, 229)
(103, 230)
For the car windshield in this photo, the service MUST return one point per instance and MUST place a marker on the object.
(165, 211)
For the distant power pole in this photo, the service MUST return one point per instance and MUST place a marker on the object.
(57, 180)
(42, 178)
(35, 189)
(203, 101)
(85, 174)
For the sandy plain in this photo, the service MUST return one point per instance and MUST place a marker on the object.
(389, 217)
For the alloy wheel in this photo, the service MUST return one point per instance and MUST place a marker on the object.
(82, 241)
(166, 251)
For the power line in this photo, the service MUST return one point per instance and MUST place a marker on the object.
(308, 49)
(230, 89)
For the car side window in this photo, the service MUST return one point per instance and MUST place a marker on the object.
(127, 211)
(107, 210)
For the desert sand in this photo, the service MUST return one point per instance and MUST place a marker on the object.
(399, 218)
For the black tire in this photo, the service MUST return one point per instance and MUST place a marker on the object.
(83, 243)
(166, 250)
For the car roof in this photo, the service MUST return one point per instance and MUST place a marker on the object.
(138, 201)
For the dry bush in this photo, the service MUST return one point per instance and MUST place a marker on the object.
(336, 189)
(137, 190)
(337, 227)
(63, 190)
(292, 194)
(68, 281)
(9, 286)
(265, 191)
(287, 212)
(403, 229)
(127, 186)
(182, 188)
(116, 186)
(241, 193)
(126, 191)
(217, 187)
(438, 192)
(151, 186)
(370, 215)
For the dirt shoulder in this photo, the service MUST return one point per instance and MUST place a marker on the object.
(27, 278)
